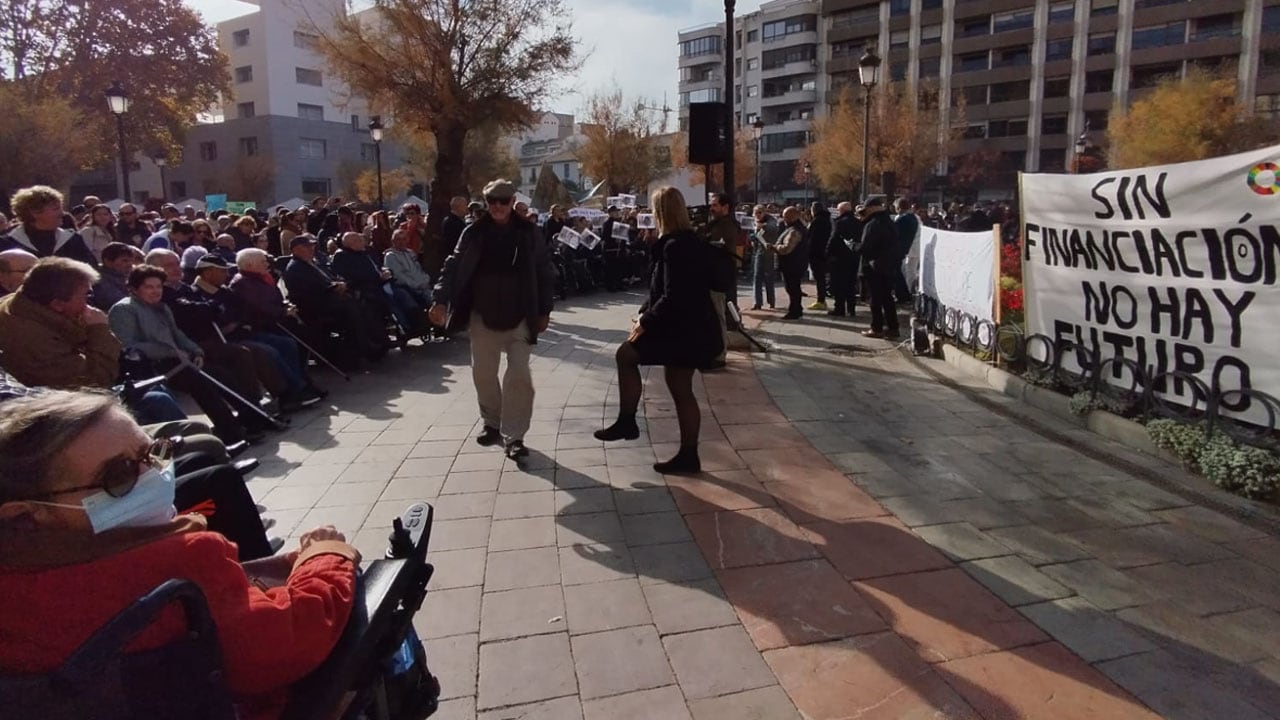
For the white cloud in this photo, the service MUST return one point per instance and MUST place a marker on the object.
(630, 43)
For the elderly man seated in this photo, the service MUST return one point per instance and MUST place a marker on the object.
(365, 275)
(87, 526)
(14, 265)
(325, 301)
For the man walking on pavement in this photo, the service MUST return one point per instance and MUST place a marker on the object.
(498, 281)
(880, 264)
(793, 254)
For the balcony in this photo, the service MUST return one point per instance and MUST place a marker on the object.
(795, 97)
(788, 126)
(807, 37)
(799, 67)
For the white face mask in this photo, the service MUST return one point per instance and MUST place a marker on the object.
(148, 504)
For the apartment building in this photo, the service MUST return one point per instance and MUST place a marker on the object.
(1036, 75)
(778, 59)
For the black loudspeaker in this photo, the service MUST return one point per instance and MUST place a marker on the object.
(888, 185)
(708, 133)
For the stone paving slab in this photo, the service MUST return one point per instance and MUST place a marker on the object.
(856, 547)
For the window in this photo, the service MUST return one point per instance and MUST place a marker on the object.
(799, 53)
(1271, 19)
(1058, 87)
(779, 29)
(1145, 76)
(1007, 128)
(699, 73)
(1102, 43)
(753, 36)
(177, 188)
(737, 40)
(972, 62)
(753, 63)
(310, 112)
(1098, 81)
(240, 38)
(974, 26)
(368, 152)
(1267, 105)
(899, 38)
(805, 114)
(930, 67)
(1013, 56)
(244, 110)
(1016, 20)
(305, 41)
(248, 146)
(244, 74)
(1216, 26)
(1269, 62)
(854, 47)
(898, 8)
(856, 16)
(1052, 161)
(1010, 91)
(209, 151)
(751, 118)
(975, 95)
(1062, 12)
(930, 34)
(930, 4)
(311, 148)
(1103, 7)
(753, 91)
(306, 76)
(708, 95)
(1096, 120)
(315, 186)
(1057, 49)
(975, 131)
(774, 89)
(564, 171)
(1053, 125)
(1160, 35)
(777, 142)
(1014, 159)
(783, 116)
(700, 46)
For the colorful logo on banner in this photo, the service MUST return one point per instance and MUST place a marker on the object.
(1263, 178)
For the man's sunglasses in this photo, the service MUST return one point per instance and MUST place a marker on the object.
(498, 201)
(120, 474)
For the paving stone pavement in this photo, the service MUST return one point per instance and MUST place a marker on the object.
(864, 542)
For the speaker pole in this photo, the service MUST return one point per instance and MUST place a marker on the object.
(730, 98)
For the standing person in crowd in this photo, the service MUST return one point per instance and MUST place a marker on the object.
(819, 237)
(130, 228)
(880, 264)
(378, 231)
(722, 234)
(677, 329)
(14, 266)
(842, 260)
(98, 230)
(291, 226)
(39, 228)
(793, 255)
(765, 258)
(454, 223)
(499, 281)
(908, 228)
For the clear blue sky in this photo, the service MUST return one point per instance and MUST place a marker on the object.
(631, 42)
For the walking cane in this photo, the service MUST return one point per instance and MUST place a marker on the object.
(313, 351)
(184, 363)
(737, 322)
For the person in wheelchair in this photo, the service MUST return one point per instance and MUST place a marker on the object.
(324, 301)
(407, 275)
(371, 283)
(87, 526)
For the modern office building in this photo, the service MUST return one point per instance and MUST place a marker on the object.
(1036, 75)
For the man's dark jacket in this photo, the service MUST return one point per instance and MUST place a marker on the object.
(880, 246)
(310, 286)
(67, 244)
(454, 289)
(361, 271)
(819, 236)
(450, 231)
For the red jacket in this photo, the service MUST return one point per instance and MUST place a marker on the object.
(269, 638)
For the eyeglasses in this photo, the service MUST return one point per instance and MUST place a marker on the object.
(120, 474)
(127, 213)
(498, 201)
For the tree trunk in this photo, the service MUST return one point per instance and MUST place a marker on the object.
(451, 178)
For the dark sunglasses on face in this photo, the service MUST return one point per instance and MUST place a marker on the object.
(498, 201)
(120, 474)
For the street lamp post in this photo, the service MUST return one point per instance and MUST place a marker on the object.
(757, 132)
(869, 74)
(161, 162)
(807, 170)
(1082, 144)
(375, 132)
(729, 96)
(118, 101)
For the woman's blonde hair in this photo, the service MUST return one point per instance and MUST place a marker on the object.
(31, 200)
(670, 213)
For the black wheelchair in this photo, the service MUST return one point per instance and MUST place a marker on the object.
(377, 670)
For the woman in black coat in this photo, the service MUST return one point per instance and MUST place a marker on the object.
(677, 328)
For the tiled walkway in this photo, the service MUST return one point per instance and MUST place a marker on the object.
(891, 549)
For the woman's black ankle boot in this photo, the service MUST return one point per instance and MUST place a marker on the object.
(624, 428)
(684, 463)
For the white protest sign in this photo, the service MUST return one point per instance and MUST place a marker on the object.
(644, 221)
(958, 270)
(746, 222)
(568, 237)
(590, 239)
(586, 212)
(621, 231)
(1173, 267)
(613, 200)
(627, 201)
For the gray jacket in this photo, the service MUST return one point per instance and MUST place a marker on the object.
(150, 329)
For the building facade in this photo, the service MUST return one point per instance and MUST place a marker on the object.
(1035, 75)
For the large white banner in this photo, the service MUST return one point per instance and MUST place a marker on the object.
(959, 270)
(1173, 267)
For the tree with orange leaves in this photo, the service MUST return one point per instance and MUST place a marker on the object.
(744, 163)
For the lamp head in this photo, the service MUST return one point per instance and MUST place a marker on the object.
(869, 68)
(117, 98)
(376, 128)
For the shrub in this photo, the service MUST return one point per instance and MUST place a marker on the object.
(1248, 471)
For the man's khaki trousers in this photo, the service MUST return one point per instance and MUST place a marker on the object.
(507, 406)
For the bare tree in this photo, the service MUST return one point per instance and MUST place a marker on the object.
(622, 145)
